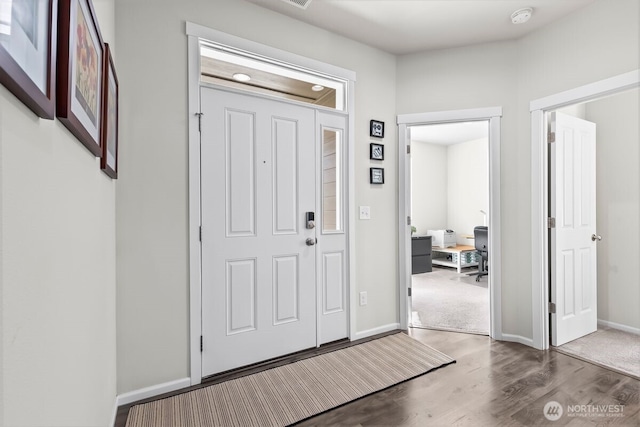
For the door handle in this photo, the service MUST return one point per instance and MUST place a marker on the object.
(595, 237)
(311, 241)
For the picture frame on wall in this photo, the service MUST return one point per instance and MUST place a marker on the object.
(28, 53)
(376, 129)
(110, 110)
(376, 175)
(376, 151)
(80, 72)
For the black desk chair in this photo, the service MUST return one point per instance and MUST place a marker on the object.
(481, 235)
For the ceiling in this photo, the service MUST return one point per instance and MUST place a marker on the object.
(450, 133)
(409, 26)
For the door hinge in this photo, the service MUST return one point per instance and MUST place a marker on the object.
(408, 220)
(408, 149)
(551, 137)
(551, 222)
(409, 291)
(200, 233)
(552, 307)
(201, 344)
(199, 121)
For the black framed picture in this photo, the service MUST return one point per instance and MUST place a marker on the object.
(376, 129)
(376, 175)
(376, 151)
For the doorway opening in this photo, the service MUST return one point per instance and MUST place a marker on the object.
(615, 190)
(605, 288)
(449, 208)
(467, 260)
(260, 144)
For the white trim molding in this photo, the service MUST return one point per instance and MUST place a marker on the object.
(152, 391)
(517, 338)
(267, 52)
(588, 92)
(493, 116)
(618, 326)
(540, 192)
(375, 331)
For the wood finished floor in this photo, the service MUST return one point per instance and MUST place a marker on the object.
(492, 384)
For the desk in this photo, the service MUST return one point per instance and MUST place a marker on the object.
(461, 256)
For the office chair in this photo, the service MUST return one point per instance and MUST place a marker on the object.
(481, 235)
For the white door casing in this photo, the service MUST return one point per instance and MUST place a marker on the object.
(195, 35)
(258, 273)
(540, 184)
(573, 205)
(405, 122)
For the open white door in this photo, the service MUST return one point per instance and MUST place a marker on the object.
(573, 239)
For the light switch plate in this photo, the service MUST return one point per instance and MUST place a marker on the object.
(365, 212)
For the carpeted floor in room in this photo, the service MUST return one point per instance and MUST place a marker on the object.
(448, 301)
(609, 348)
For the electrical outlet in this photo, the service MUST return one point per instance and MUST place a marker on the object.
(365, 212)
(363, 298)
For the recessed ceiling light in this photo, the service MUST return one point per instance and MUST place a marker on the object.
(521, 16)
(317, 88)
(241, 77)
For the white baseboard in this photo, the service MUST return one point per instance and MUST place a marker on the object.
(375, 331)
(155, 390)
(518, 339)
(619, 326)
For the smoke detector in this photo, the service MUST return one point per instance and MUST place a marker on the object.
(302, 4)
(521, 16)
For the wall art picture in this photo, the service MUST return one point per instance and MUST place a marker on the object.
(376, 129)
(376, 151)
(28, 52)
(80, 73)
(376, 175)
(109, 160)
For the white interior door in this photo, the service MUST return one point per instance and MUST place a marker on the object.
(573, 239)
(258, 270)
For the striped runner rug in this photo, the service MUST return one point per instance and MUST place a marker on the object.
(293, 392)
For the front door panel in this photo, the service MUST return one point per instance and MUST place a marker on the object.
(258, 272)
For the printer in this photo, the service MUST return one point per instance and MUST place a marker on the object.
(442, 238)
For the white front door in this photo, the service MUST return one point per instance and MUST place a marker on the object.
(573, 239)
(258, 164)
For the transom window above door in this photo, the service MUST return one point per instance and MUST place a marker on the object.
(228, 67)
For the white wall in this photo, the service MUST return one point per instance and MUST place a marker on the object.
(591, 44)
(428, 187)
(449, 186)
(468, 189)
(57, 281)
(153, 328)
(618, 206)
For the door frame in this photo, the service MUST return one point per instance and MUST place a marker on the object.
(195, 33)
(540, 268)
(493, 116)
